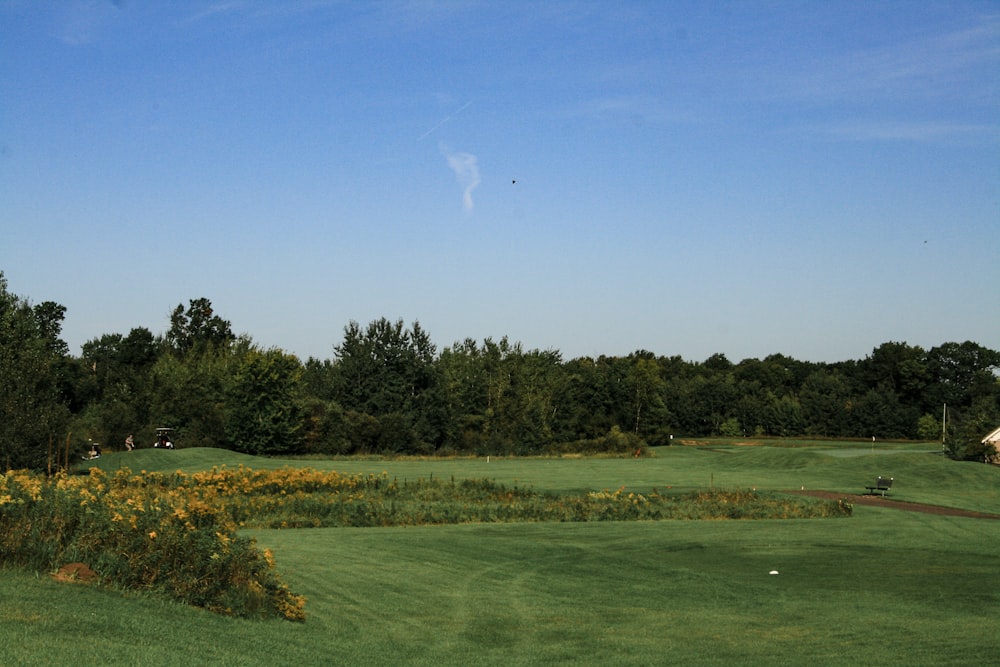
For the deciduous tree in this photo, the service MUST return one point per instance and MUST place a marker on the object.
(264, 413)
(32, 415)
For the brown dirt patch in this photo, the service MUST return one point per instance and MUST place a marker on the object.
(77, 573)
(885, 501)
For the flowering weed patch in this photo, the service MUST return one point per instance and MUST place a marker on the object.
(302, 497)
(140, 535)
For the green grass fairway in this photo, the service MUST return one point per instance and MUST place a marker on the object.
(667, 593)
(922, 474)
(883, 587)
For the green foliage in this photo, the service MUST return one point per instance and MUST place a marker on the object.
(388, 391)
(49, 317)
(928, 428)
(503, 399)
(115, 373)
(325, 429)
(960, 373)
(263, 411)
(730, 428)
(614, 442)
(32, 414)
(827, 401)
(198, 327)
(966, 433)
(880, 413)
(387, 371)
(188, 393)
(897, 367)
(139, 533)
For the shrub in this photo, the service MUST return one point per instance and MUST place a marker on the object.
(137, 535)
(615, 441)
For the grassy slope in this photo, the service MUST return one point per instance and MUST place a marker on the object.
(666, 593)
(882, 587)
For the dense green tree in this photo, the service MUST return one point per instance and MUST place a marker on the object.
(959, 373)
(116, 377)
(187, 393)
(535, 378)
(197, 327)
(387, 390)
(718, 363)
(703, 402)
(49, 316)
(827, 401)
(776, 373)
(751, 409)
(785, 417)
(929, 428)
(318, 378)
(502, 399)
(503, 423)
(387, 371)
(879, 413)
(264, 411)
(968, 428)
(646, 408)
(898, 367)
(464, 394)
(324, 428)
(32, 415)
(590, 400)
(364, 432)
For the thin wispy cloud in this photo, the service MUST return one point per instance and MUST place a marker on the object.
(920, 132)
(928, 68)
(443, 121)
(466, 168)
(82, 23)
(216, 9)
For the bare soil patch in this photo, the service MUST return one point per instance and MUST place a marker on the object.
(77, 573)
(884, 501)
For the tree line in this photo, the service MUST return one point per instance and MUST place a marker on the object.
(388, 390)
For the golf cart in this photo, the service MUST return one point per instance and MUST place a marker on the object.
(94, 453)
(164, 439)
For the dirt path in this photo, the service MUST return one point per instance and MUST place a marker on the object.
(880, 501)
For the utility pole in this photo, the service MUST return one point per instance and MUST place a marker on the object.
(944, 418)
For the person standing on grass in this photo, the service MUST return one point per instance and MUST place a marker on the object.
(129, 443)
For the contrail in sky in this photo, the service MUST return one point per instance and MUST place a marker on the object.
(445, 120)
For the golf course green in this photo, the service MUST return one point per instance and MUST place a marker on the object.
(886, 586)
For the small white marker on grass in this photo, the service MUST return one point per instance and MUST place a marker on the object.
(773, 572)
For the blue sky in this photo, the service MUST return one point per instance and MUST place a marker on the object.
(690, 178)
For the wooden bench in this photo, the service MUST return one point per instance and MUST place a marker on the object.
(882, 486)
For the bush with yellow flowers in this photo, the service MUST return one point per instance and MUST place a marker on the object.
(139, 534)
